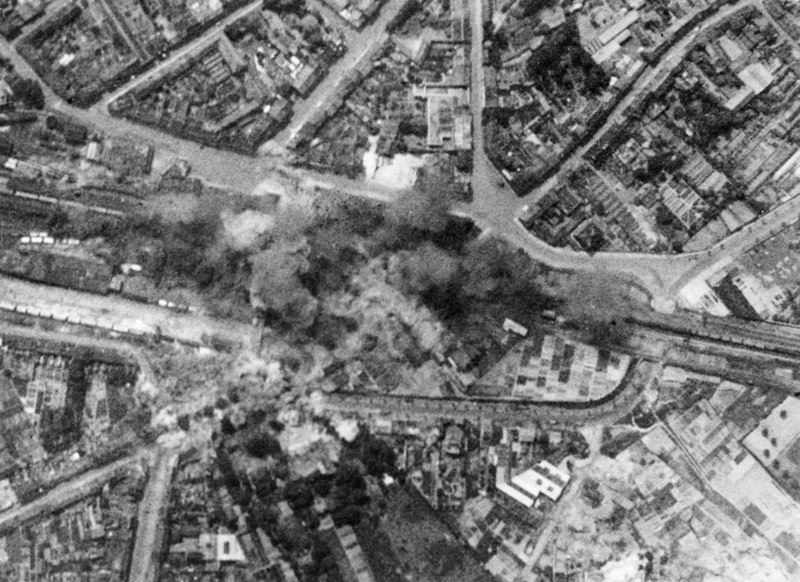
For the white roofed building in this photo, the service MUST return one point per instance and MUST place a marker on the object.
(544, 479)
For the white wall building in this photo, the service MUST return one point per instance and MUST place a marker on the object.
(544, 479)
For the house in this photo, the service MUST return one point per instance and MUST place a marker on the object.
(513, 326)
(359, 569)
(6, 94)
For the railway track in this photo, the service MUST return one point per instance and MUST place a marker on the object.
(768, 339)
(762, 336)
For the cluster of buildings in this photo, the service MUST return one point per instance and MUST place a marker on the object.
(56, 401)
(762, 283)
(15, 14)
(702, 490)
(554, 74)
(452, 463)
(585, 212)
(614, 31)
(237, 91)
(700, 155)
(357, 13)
(199, 545)
(732, 467)
(91, 540)
(87, 47)
(215, 533)
(409, 99)
(31, 193)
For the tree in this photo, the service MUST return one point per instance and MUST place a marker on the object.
(263, 445)
(28, 92)
(298, 495)
(377, 455)
(532, 7)
(277, 288)
(184, 423)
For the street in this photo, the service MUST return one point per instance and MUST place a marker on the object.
(152, 514)
(494, 208)
(359, 43)
(208, 38)
(67, 493)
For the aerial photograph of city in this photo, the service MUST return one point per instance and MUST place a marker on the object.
(399, 290)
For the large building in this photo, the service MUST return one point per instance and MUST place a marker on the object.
(543, 479)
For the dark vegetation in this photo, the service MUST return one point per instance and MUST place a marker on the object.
(562, 65)
(612, 445)
(707, 118)
(352, 494)
(532, 7)
(289, 270)
(28, 92)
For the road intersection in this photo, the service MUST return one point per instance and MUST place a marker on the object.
(494, 209)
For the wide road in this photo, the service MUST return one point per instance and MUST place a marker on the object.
(68, 493)
(360, 44)
(208, 38)
(152, 516)
(216, 167)
(494, 208)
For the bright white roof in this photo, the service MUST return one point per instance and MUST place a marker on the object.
(514, 494)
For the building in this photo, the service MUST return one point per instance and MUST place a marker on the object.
(513, 326)
(359, 569)
(544, 479)
(682, 201)
(5, 94)
(767, 302)
(449, 117)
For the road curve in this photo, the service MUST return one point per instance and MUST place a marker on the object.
(494, 209)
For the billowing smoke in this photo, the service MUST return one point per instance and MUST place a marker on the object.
(276, 288)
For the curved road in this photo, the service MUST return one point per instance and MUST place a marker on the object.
(494, 208)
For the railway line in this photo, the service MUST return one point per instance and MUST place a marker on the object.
(763, 342)
(755, 335)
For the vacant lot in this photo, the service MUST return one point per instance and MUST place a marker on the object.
(423, 545)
